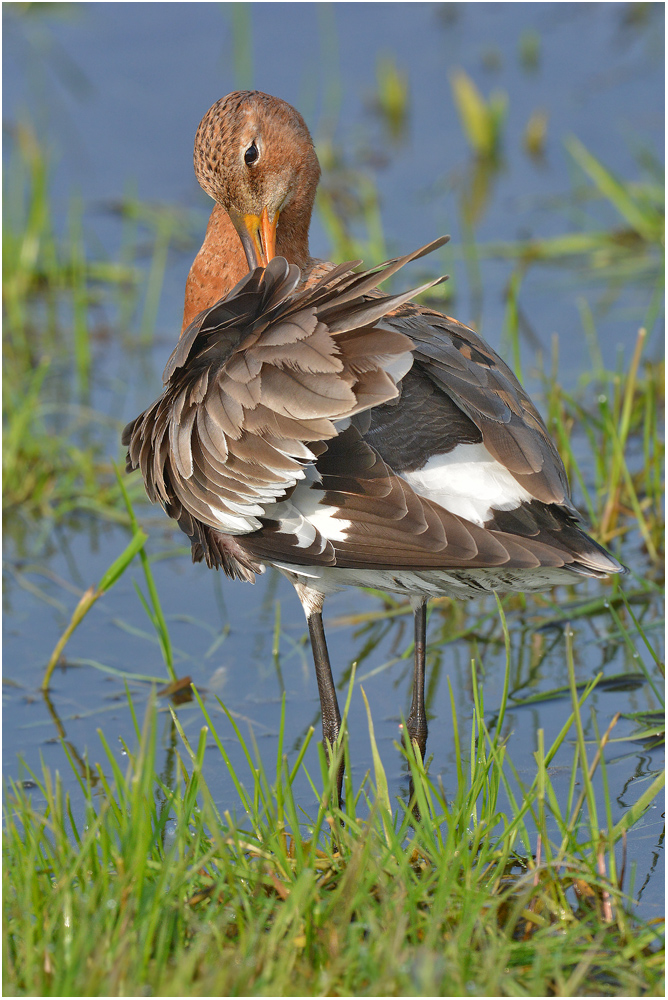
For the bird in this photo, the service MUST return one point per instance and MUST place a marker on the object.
(346, 436)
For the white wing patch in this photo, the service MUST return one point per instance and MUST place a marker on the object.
(334, 529)
(240, 517)
(304, 516)
(468, 482)
(232, 524)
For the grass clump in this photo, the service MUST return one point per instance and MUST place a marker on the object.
(154, 891)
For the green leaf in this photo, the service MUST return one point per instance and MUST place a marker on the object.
(119, 565)
(632, 815)
(382, 790)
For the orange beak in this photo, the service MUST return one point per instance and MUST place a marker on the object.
(258, 236)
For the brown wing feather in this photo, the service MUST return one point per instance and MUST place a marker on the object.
(254, 381)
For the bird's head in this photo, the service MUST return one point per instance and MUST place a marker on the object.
(254, 155)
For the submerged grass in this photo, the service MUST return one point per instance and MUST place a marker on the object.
(153, 890)
(55, 443)
(617, 236)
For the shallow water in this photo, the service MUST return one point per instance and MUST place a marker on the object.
(152, 70)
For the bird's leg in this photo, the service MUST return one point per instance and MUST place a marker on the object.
(417, 719)
(312, 603)
(416, 724)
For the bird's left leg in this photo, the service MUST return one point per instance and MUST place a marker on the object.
(312, 602)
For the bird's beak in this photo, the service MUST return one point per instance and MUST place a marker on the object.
(258, 236)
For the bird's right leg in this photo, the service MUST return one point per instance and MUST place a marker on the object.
(312, 602)
(417, 719)
(416, 723)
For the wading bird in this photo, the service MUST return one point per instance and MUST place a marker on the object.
(345, 436)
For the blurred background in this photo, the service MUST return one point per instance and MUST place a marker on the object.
(533, 133)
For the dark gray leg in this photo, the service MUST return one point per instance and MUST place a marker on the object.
(312, 603)
(331, 716)
(417, 719)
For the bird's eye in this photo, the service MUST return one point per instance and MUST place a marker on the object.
(251, 155)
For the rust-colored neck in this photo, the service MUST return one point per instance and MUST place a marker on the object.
(221, 261)
(218, 266)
